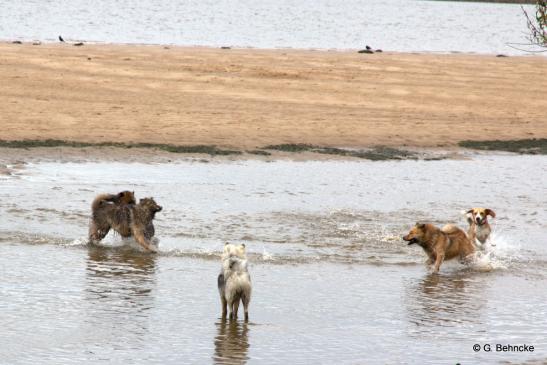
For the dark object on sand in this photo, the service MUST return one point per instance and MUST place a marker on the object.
(502, 55)
(378, 51)
(61, 39)
(36, 43)
(368, 48)
(225, 47)
(79, 44)
(365, 51)
(17, 42)
(377, 153)
(530, 146)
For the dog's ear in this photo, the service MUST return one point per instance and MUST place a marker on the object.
(420, 225)
(226, 243)
(490, 212)
(470, 211)
(243, 245)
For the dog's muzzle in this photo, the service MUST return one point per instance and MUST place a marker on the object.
(410, 241)
(159, 208)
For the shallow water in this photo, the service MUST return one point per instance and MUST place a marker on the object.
(395, 25)
(333, 281)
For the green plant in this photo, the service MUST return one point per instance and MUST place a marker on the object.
(538, 24)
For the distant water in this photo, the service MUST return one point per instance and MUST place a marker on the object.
(395, 25)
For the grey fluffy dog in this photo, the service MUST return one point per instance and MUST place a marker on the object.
(234, 281)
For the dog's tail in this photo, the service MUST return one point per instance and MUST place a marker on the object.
(450, 228)
(99, 199)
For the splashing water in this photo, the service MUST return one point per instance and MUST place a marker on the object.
(81, 241)
(499, 252)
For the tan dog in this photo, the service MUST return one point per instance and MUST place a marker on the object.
(126, 219)
(234, 281)
(440, 244)
(478, 224)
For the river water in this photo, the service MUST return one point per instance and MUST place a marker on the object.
(394, 25)
(333, 281)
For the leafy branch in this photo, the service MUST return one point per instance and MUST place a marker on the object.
(538, 24)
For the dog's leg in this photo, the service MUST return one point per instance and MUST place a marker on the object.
(438, 262)
(472, 235)
(222, 289)
(141, 239)
(97, 232)
(231, 308)
(245, 299)
(93, 233)
(224, 307)
(236, 306)
(466, 258)
(478, 245)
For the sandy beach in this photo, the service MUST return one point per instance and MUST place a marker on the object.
(247, 98)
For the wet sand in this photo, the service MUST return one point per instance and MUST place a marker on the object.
(247, 98)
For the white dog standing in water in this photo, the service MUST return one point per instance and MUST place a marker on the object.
(234, 281)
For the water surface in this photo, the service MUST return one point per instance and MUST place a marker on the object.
(333, 281)
(395, 25)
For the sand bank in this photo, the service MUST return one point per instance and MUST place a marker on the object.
(247, 98)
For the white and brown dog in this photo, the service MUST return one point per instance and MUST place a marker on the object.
(479, 229)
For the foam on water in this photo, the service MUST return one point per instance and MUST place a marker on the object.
(266, 256)
(81, 241)
(498, 253)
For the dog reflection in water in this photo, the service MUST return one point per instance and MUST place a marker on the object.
(120, 273)
(231, 343)
(436, 301)
(111, 262)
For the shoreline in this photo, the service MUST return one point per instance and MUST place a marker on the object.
(60, 150)
(72, 42)
(245, 99)
(16, 156)
(13, 158)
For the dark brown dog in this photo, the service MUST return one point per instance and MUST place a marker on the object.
(440, 244)
(109, 210)
(478, 224)
(127, 219)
